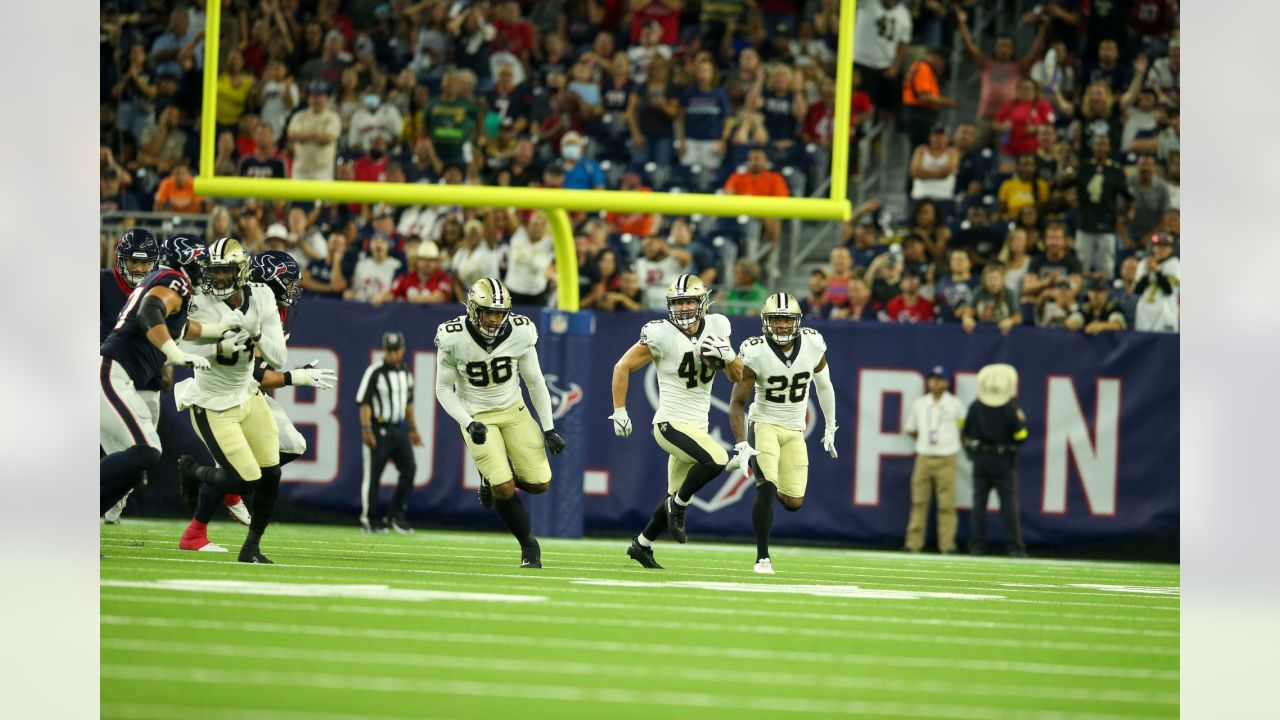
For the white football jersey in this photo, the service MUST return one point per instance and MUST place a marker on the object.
(488, 374)
(782, 379)
(229, 379)
(684, 381)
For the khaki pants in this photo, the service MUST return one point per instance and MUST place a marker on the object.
(688, 445)
(783, 458)
(514, 442)
(243, 438)
(933, 475)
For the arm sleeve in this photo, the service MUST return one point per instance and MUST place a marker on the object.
(271, 341)
(539, 396)
(826, 397)
(910, 425)
(446, 378)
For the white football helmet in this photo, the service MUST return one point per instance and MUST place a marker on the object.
(780, 318)
(228, 268)
(488, 306)
(685, 288)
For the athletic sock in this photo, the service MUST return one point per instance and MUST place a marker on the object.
(251, 541)
(680, 501)
(511, 510)
(657, 523)
(643, 541)
(196, 529)
(210, 499)
(762, 517)
(264, 500)
(699, 475)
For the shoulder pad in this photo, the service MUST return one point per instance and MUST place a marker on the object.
(649, 333)
(449, 332)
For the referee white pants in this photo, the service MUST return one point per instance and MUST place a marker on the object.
(127, 416)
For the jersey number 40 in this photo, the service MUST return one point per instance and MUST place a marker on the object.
(689, 371)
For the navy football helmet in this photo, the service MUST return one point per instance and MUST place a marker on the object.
(137, 245)
(279, 271)
(187, 253)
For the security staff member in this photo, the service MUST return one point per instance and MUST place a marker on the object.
(993, 431)
(934, 423)
(389, 431)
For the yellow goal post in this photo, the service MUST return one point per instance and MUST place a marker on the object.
(557, 203)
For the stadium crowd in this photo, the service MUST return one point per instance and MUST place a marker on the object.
(1056, 204)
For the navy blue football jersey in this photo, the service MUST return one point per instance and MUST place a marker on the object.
(112, 292)
(128, 344)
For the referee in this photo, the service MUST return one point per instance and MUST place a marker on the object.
(388, 429)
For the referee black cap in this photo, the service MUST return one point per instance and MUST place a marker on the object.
(392, 340)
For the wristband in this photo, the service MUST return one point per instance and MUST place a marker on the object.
(288, 378)
(208, 331)
(171, 351)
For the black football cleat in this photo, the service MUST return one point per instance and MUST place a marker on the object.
(486, 493)
(1017, 552)
(676, 518)
(188, 482)
(400, 525)
(642, 555)
(254, 555)
(531, 555)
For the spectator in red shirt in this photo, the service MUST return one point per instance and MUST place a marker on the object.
(664, 12)
(909, 307)
(1000, 70)
(1020, 120)
(372, 166)
(514, 35)
(427, 284)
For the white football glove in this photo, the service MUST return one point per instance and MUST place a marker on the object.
(231, 321)
(321, 378)
(621, 423)
(742, 454)
(174, 356)
(717, 347)
(234, 341)
(829, 441)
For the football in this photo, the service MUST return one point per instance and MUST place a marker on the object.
(709, 357)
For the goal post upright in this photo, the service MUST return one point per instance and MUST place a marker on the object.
(555, 202)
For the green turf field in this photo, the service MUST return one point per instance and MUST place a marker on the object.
(445, 625)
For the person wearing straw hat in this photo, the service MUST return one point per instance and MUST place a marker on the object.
(994, 429)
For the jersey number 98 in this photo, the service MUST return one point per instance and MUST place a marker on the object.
(482, 374)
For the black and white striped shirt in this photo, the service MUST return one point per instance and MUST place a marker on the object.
(387, 390)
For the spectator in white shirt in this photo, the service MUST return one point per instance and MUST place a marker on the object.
(657, 268)
(881, 34)
(376, 118)
(530, 262)
(1157, 288)
(375, 273)
(934, 423)
(475, 257)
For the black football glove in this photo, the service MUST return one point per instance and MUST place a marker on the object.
(477, 431)
(555, 443)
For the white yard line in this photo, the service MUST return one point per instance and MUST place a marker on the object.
(454, 661)
(540, 642)
(156, 711)
(724, 629)
(1150, 603)
(569, 693)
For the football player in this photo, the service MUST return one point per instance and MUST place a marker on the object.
(143, 339)
(778, 366)
(280, 272)
(482, 356)
(688, 347)
(137, 254)
(228, 411)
